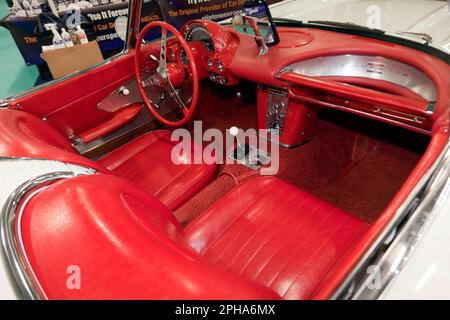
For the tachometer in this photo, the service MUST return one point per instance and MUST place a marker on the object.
(197, 32)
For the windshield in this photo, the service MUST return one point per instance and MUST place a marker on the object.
(421, 21)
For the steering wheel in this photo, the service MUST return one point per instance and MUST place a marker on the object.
(167, 76)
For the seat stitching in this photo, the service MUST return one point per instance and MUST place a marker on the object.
(286, 240)
(311, 234)
(337, 260)
(274, 214)
(315, 254)
(231, 223)
(241, 229)
(198, 184)
(275, 230)
(131, 156)
(173, 180)
(226, 196)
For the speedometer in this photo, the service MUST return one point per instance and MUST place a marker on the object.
(197, 32)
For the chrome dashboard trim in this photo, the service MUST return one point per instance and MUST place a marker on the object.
(371, 67)
(380, 115)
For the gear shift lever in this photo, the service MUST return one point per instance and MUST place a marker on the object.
(240, 151)
(234, 131)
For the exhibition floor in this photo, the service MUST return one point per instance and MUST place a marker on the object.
(16, 76)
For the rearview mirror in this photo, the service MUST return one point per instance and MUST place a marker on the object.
(251, 26)
(257, 21)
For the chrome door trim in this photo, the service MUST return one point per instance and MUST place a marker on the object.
(415, 216)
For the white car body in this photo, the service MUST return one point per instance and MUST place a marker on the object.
(418, 16)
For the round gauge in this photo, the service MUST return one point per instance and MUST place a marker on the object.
(197, 32)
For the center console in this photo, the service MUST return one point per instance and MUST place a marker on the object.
(294, 122)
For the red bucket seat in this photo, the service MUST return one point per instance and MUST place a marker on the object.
(265, 239)
(145, 160)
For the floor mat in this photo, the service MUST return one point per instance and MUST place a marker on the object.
(354, 163)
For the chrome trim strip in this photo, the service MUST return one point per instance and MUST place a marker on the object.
(25, 286)
(363, 113)
(430, 188)
(397, 255)
(21, 276)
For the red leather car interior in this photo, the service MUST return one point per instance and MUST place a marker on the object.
(71, 106)
(120, 118)
(145, 160)
(275, 234)
(266, 239)
(126, 244)
(240, 249)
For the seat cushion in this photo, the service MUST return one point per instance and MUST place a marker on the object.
(147, 161)
(126, 244)
(275, 234)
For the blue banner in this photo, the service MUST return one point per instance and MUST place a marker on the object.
(175, 12)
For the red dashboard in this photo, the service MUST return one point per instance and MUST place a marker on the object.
(311, 69)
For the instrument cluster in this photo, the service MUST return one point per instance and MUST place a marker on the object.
(213, 47)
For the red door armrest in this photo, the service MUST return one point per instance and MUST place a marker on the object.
(120, 118)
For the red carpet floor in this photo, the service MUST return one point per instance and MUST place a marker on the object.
(354, 163)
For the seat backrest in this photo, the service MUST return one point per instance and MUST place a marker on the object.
(24, 135)
(124, 243)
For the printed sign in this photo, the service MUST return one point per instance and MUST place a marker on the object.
(175, 12)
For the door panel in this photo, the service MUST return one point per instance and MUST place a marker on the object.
(71, 105)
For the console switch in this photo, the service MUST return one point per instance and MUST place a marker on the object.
(276, 110)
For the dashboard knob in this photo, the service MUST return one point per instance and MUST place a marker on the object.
(124, 91)
(220, 66)
(210, 63)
